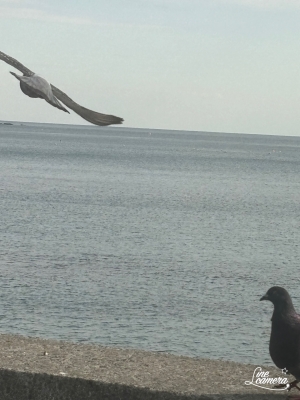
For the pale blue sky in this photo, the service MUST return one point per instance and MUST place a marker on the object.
(207, 65)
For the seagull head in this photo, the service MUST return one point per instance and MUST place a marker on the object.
(13, 73)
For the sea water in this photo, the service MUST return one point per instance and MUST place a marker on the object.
(150, 239)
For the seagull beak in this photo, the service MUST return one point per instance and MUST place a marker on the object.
(14, 74)
(265, 297)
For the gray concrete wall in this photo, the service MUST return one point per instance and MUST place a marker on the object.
(36, 369)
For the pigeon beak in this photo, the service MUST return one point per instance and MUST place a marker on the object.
(265, 297)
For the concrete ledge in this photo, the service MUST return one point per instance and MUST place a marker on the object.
(79, 371)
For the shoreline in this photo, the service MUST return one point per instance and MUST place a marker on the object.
(41, 369)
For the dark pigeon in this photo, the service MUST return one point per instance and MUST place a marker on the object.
(285, 334)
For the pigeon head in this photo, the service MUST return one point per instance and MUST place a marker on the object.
(280, 298)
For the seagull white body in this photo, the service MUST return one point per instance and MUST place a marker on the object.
(39, 87)
(35, 86)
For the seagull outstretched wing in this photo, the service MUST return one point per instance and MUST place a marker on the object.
(89, 115)
(16, 64)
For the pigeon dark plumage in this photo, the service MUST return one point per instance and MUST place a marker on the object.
(285, 333)
(35, 86)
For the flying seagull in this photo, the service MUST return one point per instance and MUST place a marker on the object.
(35, 86)
(285, 334)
